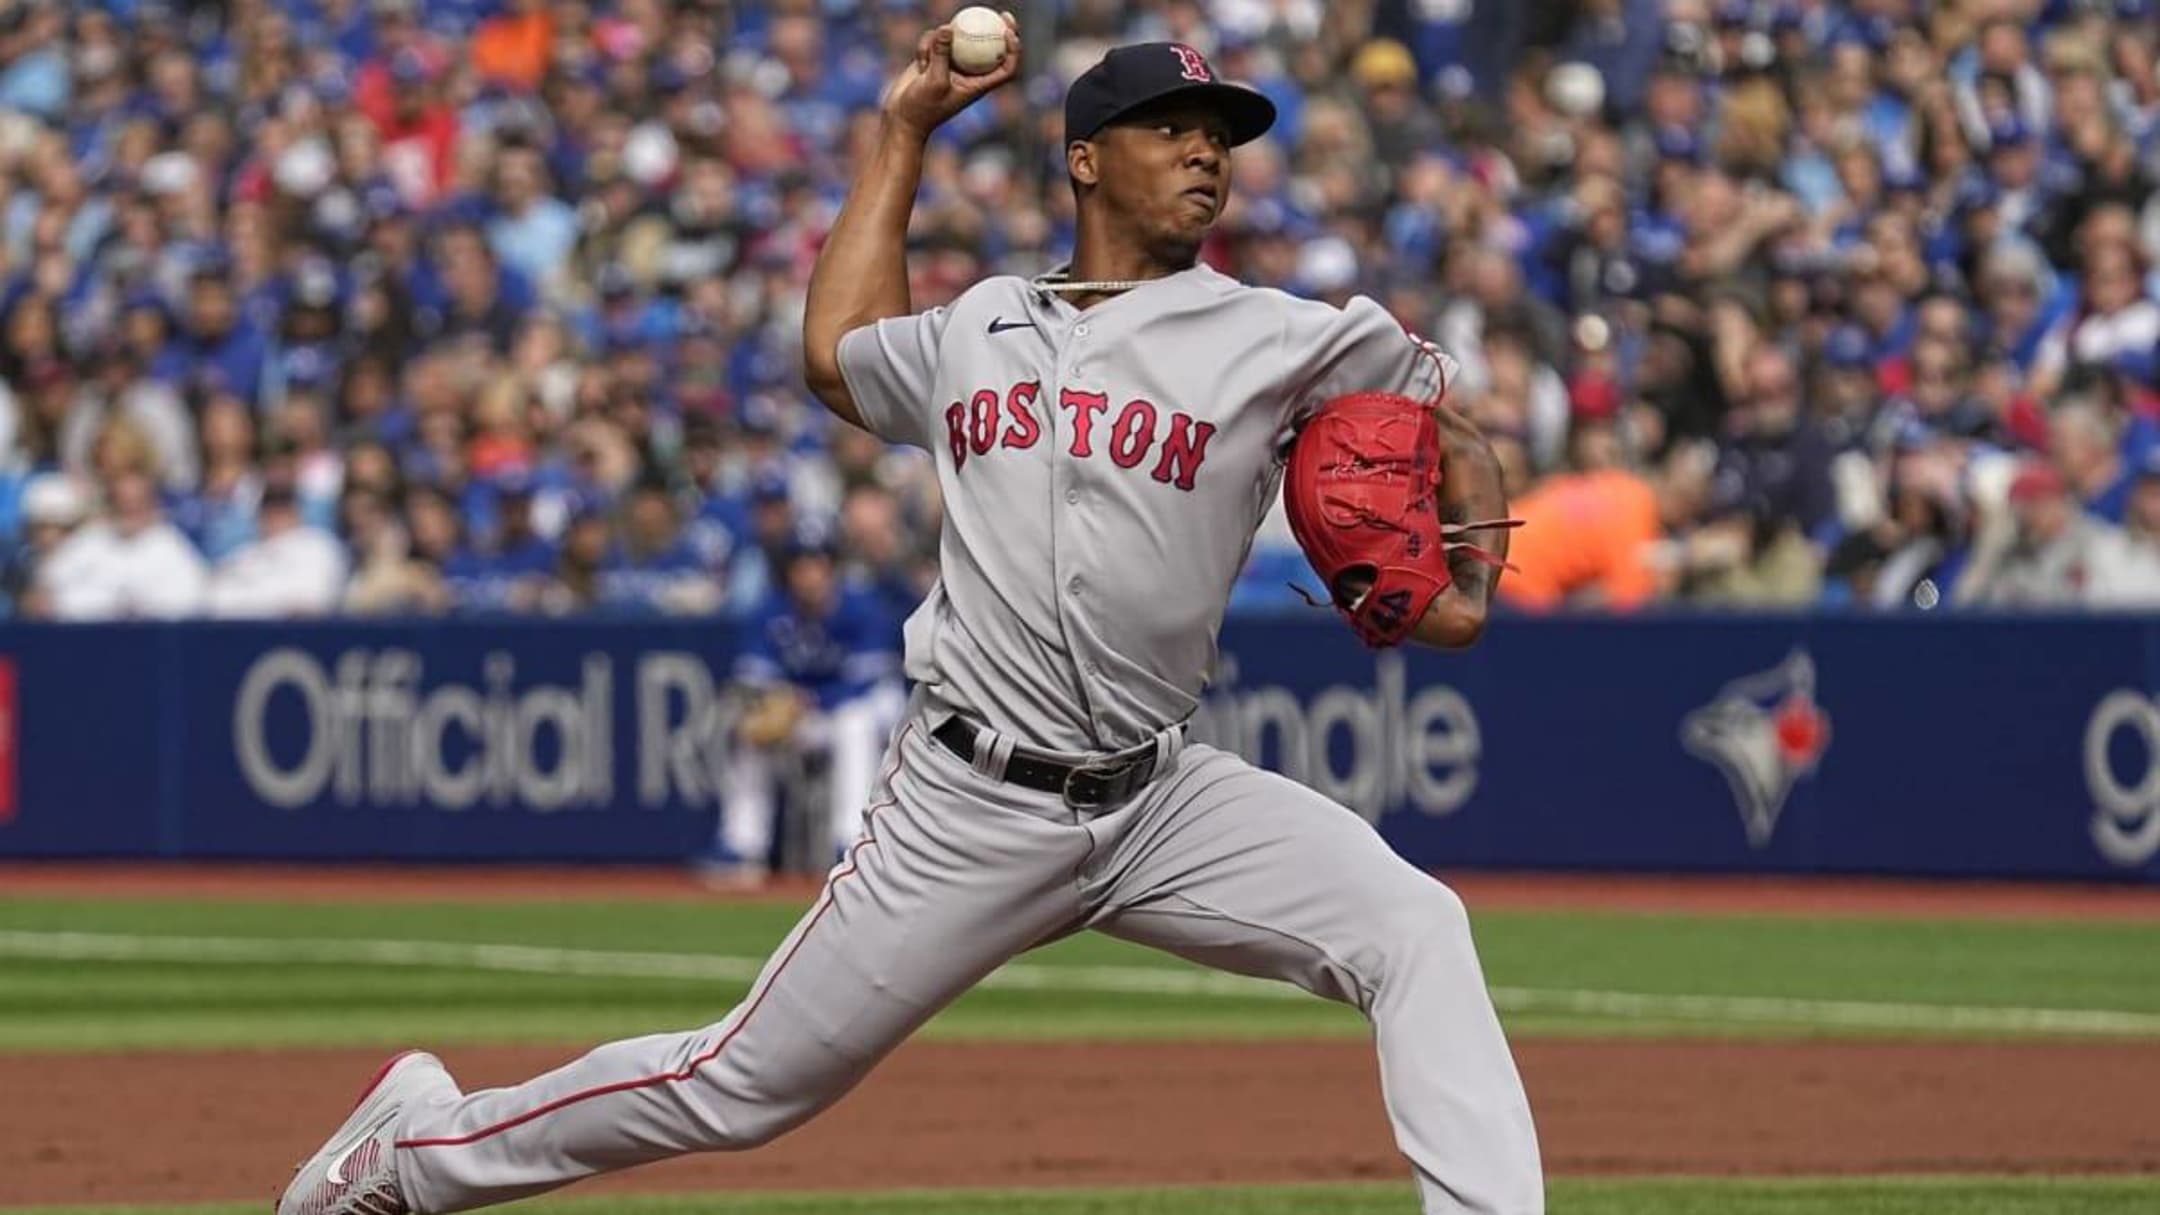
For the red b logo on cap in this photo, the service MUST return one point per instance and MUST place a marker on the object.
(1196, 67)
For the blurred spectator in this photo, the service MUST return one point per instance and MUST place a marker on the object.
(400, 561)
(34, 77)
(511, 573)
(53, 506)
(578, 570)
(871, 526)
(750, 579)
(1914, 554)
(2055, 556)
(129, 564)
(2090, 457)
(475, 301)
(2013, 284)
(533, 231)
(291, 570)
(1772, 491)
(2115, 317)
(654, 569)
(1588, 535)
(119, 389)
(515, 46)
(221, 348)
(2141, 522)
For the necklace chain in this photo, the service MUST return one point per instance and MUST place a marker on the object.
(1091, 288)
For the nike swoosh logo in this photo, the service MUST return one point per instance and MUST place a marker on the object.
(1001, 325)
(337, 1167)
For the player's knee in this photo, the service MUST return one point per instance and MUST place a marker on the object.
(1429, 918)
(729, 1121)
(753, 1093)
(763, 1123)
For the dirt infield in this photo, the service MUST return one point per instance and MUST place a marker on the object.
(183, 1126)
(180, 1127)
(1871, 897)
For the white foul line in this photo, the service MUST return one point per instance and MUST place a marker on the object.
(1022, 976)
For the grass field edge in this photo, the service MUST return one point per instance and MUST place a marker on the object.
(1563, 1190)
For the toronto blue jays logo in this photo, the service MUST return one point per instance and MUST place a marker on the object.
(1765, 733)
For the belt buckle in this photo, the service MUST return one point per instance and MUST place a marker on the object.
(1106, 775)
(1102, 775)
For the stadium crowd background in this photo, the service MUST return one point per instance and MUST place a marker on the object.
(476, 306)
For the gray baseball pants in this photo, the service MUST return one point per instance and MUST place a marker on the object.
(954, 874)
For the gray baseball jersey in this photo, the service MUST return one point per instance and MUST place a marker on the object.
(1104, 472)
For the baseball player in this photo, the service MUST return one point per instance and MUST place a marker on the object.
(1107, 438)
(829, 645)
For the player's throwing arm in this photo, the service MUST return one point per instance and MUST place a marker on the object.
(861, 274)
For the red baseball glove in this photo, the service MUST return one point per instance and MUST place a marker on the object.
(1361, 488)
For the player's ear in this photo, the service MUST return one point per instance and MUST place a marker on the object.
(1080, 162)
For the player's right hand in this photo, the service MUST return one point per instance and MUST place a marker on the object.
(929, 91)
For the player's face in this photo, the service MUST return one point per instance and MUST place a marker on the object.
(1165, 171)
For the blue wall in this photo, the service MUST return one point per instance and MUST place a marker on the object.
(1817, 744)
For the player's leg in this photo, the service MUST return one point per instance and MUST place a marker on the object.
(1250, 872)
(747, 806)
(946, 884)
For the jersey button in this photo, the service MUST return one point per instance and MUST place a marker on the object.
(1072, 497)
(1080, 331)
(1073, 586)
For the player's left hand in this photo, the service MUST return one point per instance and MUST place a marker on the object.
(1362, 489)
(929, 92)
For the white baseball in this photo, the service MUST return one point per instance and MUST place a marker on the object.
(978, 40)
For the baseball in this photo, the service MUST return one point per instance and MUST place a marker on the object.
(978, 40)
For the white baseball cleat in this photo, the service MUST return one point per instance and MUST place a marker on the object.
(355, 1173)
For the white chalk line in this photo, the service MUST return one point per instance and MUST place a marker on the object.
(1023, 976)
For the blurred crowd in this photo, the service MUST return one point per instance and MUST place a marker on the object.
(483, 306)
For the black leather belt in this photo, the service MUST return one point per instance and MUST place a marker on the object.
(1103, 782)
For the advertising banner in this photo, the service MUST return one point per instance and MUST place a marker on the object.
(1963, 746)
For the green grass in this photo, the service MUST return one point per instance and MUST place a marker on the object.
(1532, 959)
(1871, 1196)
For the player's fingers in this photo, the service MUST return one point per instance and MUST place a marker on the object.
(924, 47)
(1004, 71)
(939, 67)
(1011, 22)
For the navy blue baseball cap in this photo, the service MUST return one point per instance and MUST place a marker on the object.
(813, 538)
(1133, 76)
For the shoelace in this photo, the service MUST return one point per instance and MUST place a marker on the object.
(380, 1198)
